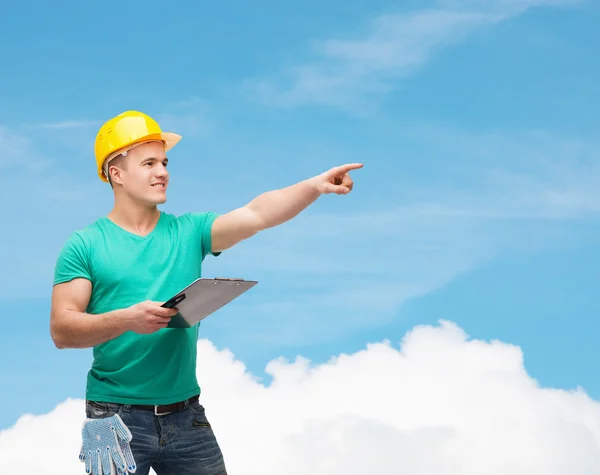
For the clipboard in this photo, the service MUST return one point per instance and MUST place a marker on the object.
(203, 297)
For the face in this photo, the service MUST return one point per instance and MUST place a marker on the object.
(143, 175)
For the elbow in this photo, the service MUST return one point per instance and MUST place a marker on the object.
(58, 340)
(58, 337)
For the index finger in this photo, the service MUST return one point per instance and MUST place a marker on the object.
(347, 167)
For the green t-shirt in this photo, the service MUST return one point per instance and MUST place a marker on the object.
(125, 269)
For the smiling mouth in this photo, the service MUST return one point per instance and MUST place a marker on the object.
(159, 185)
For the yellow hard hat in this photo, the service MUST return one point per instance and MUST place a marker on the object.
(125, 131)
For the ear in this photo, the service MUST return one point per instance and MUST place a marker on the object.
(116, 174)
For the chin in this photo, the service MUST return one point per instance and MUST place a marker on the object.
(156, 200)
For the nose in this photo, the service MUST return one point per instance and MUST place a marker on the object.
(161, 170)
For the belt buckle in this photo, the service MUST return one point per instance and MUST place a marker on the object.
(156, 413)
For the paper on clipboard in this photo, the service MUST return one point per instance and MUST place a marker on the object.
(203, 297)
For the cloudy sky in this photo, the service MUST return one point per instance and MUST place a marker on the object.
(442, 318)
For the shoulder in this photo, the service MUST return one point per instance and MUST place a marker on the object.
(80, 243)
(84, 237)
(197, 226)
(195, 221)
(74, 257)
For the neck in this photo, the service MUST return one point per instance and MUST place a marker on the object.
(134, 217)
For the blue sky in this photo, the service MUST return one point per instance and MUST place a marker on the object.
(479, 201)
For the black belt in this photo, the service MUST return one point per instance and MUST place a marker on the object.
(166, 408)
(160, 409)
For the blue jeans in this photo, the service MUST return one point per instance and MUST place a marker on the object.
(179, 443)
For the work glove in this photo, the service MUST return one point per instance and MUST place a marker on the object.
(105, 448)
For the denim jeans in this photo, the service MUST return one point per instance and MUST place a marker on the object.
(179, 443)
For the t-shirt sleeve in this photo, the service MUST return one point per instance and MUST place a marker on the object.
(72, 261)
(202, 225)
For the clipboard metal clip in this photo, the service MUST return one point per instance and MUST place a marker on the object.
(174, 301)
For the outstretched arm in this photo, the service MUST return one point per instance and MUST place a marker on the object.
(278, 206)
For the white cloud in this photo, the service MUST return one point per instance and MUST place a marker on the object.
(323, 272)
(517, 175)
(347, 72)
(19, 153)
(188, 117)
(441, 403)
(68, 124)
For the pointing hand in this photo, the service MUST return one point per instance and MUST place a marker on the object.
(336, 180)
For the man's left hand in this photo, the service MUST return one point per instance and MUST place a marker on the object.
(336, 180)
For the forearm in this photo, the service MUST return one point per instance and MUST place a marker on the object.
(278, 206)
(83, 330)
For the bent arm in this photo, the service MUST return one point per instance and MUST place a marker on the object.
(265, 211)
(71, 327)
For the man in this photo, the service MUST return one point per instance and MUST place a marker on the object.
(142, 395)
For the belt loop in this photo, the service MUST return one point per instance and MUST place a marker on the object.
(127, 407)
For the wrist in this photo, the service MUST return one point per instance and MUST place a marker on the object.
(314, 184)
(119, 320)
